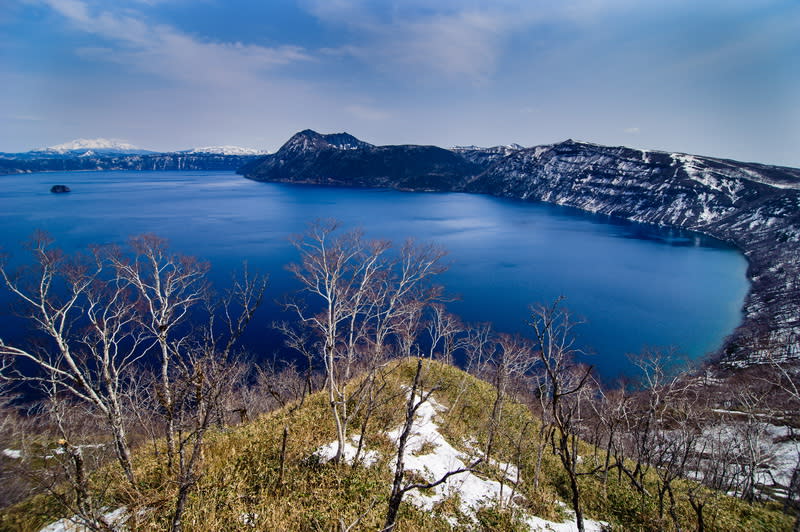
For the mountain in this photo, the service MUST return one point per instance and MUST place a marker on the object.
(99, 145)
(341, 159)
(99, 154)
(226, 150)
(753, 206)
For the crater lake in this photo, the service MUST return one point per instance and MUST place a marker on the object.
(634, 285)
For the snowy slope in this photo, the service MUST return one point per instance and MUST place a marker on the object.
(95, 145)
(227, 150)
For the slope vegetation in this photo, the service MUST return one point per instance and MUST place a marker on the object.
(273, 474)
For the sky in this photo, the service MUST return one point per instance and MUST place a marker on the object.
(716, 77)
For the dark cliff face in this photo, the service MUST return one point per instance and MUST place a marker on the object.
(754, 206)
(341, 159)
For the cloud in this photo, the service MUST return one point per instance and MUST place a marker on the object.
(632, 130)
(451, 43)
(169, 53)
(450, 39)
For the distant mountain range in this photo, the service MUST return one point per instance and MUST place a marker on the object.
(94, 145)
(105, 154)
(756, 207)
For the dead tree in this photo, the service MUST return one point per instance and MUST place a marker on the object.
(563, 380)
(169, 286)
(417, 397)
(89, 318)
(357, 297)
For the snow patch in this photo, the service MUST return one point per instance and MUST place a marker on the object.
(429, 455)
(327, 452)
(228, 150)
(16, 454)
(115, 519)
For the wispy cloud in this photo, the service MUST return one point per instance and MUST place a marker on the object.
(168, 52)
(632, 130)
(453, 43)
(448, 39)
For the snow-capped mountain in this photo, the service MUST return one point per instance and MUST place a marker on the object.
(99, 145)
(227, 150)
(104, 154)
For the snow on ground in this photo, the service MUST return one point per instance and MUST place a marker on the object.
(12, 453)
(228, 150)
(115, 519)
(775, 446)
(327, 452)
(429, 455)
(438, 459)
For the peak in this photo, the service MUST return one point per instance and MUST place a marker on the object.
(307, 133)
(572, 142)
(309, 139)
(94, 144)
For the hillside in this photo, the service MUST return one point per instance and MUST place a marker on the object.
(753, 206)
(273, 473)
(341, 159)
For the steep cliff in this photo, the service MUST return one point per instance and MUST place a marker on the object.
(755, 207)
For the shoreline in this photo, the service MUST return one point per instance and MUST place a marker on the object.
(769, 328)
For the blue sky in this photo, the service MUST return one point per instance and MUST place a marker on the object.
(713, 77)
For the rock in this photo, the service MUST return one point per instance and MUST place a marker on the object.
(59, 189)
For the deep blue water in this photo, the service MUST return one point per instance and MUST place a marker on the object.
(635, 285)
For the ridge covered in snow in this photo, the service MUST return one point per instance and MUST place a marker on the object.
(227, 150)
(94, 144)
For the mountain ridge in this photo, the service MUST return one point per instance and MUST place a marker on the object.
(753, 206)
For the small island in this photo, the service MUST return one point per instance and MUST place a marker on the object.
(59, 189)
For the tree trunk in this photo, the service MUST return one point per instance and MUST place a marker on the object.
(396, 496)
(122, 450)
(283, 456)
(333, 401)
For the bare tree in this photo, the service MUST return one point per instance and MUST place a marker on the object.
(169, 287)
(206, 371)
(445, 334)
(512, 359)
(417, 397)
(102, 313)
(785, 376)
(89, 320)
(359, 296)
(563, 380)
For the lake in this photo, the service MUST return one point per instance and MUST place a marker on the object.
(634, 285)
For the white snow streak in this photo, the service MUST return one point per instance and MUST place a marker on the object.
(431, 456)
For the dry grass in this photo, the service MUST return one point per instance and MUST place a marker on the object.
(240, 487)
